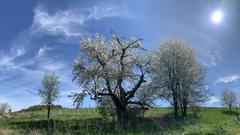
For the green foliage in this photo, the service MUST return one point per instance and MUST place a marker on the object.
(217, 130)
(49, 92)
(195, 111)
(135, 112)
(106, 107)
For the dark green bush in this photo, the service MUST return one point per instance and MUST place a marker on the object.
(135, 112)
(106, 107)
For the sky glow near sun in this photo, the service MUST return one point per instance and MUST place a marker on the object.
(217, 16)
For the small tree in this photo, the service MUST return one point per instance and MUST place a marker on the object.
(4, 109)
(49, 92)
(229, 98)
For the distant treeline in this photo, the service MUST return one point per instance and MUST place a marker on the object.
(39, 107)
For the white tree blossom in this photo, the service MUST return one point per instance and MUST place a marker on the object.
(176, 75)
(113, 68)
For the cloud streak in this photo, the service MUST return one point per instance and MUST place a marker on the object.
(70, 22)
(213, 100)
(227, 79)
(7, 60)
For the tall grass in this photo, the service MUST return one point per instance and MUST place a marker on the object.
(89, 122)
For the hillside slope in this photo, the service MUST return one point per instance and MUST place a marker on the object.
(88, 121)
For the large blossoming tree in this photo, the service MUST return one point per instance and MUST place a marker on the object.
(113, 68)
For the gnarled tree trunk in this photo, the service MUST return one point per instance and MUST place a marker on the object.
(230, 107)
(175, 104)
(122, 115)
(121, 110)
(176, 109)
(184, 109)
(48, 109)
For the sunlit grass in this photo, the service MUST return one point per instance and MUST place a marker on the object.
(88, 121)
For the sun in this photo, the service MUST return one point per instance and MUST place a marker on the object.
(217, 16)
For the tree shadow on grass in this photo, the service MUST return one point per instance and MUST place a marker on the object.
(169, 122)
(147, 125)
(228, 112)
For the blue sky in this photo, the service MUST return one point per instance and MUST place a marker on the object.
(38, 37)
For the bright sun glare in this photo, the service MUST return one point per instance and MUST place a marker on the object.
(217, 16)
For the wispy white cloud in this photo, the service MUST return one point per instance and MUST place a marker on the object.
(71, 22)
(7, 60)
(63, 22)
(210, 51)
(18, 51)
(68, 23)
(52, 65)
(227, 79)
(213, 100)
(47, 63)
(214, 56)
(41, 52)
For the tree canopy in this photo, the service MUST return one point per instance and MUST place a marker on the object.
(112, 68)
(177, 76)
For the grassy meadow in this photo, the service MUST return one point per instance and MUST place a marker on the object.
(208, 121)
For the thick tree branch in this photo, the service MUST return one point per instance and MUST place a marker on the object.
(137, 86)
(142, 104)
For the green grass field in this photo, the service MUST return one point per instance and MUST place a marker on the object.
(209, 121)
